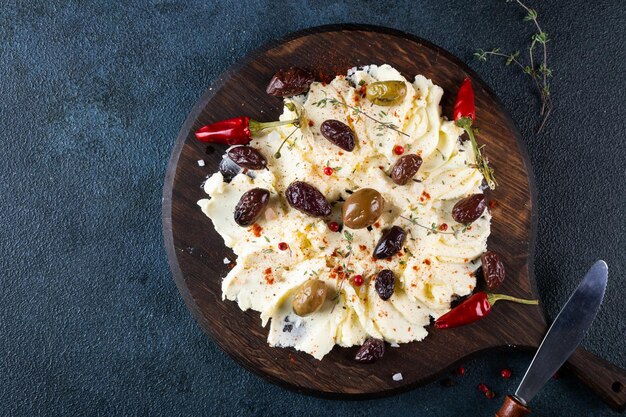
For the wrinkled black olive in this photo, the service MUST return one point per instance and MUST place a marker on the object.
(251, 206)
(247, 157)
(307, 199)
(385, 284)
(405, 168)
(338, 133)
(290, 82)
(371, 351)
(390, 243)
(493, 270)
(469, 209)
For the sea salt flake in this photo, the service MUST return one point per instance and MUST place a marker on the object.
(226, 261)
(397, 377)
(394, 345)
(201, 162)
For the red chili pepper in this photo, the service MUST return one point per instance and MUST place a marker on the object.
(464, 106)
(236, 131)
(464, 116)
(474, 308)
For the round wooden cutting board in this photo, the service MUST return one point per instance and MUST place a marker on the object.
(196, 252)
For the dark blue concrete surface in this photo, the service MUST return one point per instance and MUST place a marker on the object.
(91, 99)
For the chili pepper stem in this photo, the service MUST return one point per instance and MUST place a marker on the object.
(256, 127)
(482, 163)
(492, 298)
(277, 155)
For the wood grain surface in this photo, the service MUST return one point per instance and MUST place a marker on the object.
(196, 251)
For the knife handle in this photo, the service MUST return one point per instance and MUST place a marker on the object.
(604, 378)
(512, 408)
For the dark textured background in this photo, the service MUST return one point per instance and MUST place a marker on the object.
(91, 100)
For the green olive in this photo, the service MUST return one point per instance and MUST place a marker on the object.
(309, 297)
(362, 208)
(386, 93)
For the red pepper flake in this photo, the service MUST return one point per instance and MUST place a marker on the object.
(416, 268)
(333, 226)
(292, 359)
(490, 394)
(493, 204)
(398, 150)
(377, 225)
(283, 246)
(340, 153)
(443, 227)
(460, 371)
(427, 261)
(483, 388)
(328, 171)
(256, 229)
(425, 195)
(268, 276)
(310, 122)
(381, 167)
(357, 280)
(362, 247)
(506, 373)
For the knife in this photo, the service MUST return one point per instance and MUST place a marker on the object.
(562, 338)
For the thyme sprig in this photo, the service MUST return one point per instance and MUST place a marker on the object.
(357, 110)
(344, 265)
(538, 73)
(434, 228)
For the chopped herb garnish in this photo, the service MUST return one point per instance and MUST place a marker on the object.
(381, 124)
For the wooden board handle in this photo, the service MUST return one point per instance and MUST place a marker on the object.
(512, 408)
(604, 378)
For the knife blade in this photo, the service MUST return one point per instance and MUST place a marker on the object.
(562, 338)
(566, 332)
